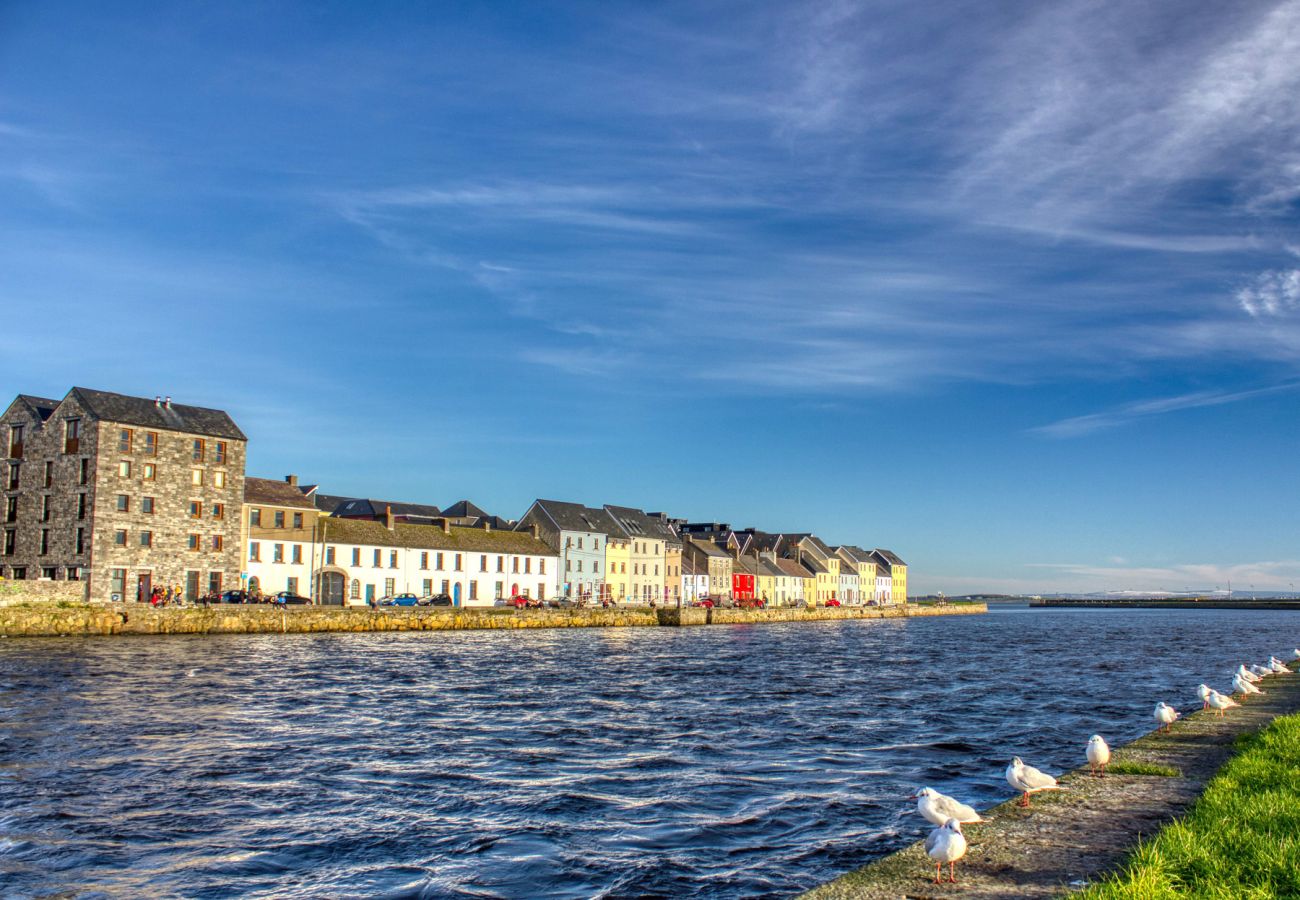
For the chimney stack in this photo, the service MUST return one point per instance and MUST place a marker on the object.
(388, 517)
(532, 529)
(167, 403)
(291, 480)
(446, 525)
(157, 401)
(487, 526)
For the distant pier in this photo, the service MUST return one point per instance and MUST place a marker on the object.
(1177, 603)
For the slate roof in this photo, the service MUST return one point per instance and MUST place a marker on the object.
(792, 567)
(744, 565)
(857, 554)
(274, 492)
(576, 517)
(41, 407)
(432, 537)
(708, 548)
(464, 509)
(771, 568)
(327, 503)
(812, 539)
(146, 413)
(890, 557)
(365, 506)
(638, 524)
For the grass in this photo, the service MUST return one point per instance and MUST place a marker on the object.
(1133, 767)
(1241, 841)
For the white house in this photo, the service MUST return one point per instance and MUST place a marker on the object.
(695, 584)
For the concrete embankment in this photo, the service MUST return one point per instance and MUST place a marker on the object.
(1169, 604)
(47, 620)
(1071, 837)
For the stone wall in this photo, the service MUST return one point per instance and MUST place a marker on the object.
(46, 619)
(42, 592)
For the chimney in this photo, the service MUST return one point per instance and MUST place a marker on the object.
(532, 529)
(167, 403)
(487, 526)
(735, 552)
(291, 480)
(446, 525)
(157, 401)
(388, 517)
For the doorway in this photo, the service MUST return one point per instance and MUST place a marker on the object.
(145, 591)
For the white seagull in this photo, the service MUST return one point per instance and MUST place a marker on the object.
(1242, 686)
(938, 808)
(1261, 671)
(1278, 666)
(1296, 653)
(1029, 780)
(946, 844)
(1220, 702)
(1248, 675)
(1165, 715)
(1203, 691)
(1098, 755)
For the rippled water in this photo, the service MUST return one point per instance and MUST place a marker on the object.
(712, 762)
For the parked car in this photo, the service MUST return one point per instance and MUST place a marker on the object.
(288, 598)
(832, 602)
(706, 602)
(233, 597)
(437, 600)
(400, 600)
(749, 603)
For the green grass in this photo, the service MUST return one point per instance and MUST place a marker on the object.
(1133, 767)
(1241, 841)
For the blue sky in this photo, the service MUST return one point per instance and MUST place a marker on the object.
(1013, 289)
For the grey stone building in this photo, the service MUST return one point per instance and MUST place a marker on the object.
(122, 494)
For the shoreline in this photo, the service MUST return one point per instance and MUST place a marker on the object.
(45, 620)
(1166, 604)
(1067, 839)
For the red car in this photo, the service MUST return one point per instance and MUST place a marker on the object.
(706, 603)
(749, 603)
(832, 602)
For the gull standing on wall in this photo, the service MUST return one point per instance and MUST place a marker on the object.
(1242, 686)
(938, 808)
(1203, 691)
(1098, 755)
(1249, 675)
(1165, 715)
(1221, 702)
(946, 844)
(1029, 780)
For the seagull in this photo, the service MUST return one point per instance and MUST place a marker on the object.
(191, 673)
(1165, 715)
(1221, 702)
(1204, 691)
(1296, 653)
(1278, 666)
(939, 808)
(1029, 780)
(1250, 676)
(1242, 686)
(1098, 755)
(946, 844)
(1261, 671)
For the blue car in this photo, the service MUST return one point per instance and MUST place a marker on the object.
(401, 600)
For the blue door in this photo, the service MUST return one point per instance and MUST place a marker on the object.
(455, 595)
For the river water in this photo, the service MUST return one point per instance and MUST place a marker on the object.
(740, 761)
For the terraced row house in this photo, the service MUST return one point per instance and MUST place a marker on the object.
(108, 497)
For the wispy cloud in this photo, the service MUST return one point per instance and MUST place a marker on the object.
(1272, 294)
(1078, 426)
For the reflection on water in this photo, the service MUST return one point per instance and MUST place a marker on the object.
(720, 762)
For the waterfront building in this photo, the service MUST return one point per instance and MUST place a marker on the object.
(378, 510)
(280, 537)
(849, 584)
(768, 575)
(618, 553)
(821, 561)
(896, 570)
(578, 534)
(744, 577)
(650, 538)
(798, 580)
(712, 561)
(695, 582)
(466, 513)
(364, 561)
(121, 494)
(864, 564)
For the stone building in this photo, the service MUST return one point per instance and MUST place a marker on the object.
(122, 494)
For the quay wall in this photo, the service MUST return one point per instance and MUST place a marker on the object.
(51, 620)
(1169, 604)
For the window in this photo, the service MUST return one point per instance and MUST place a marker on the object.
(196, 509)
(119, 538)
(482, 563)
(72, 573)
(118, 584)
(297, 553)
(291, 585)
(458, 562)
(191, 586)
(218, 542)
(541, 591)
(254, 551)
(356, 556)
(356, 589)
(123, 503)
(15, 440)
(329, 556)
(656, 568)
(279, 518)
(197, 452)
(424, 562)
(379, 556)
(196, 477)
(277, 553)
(568, 565)
(214, 582)
(501, 589)
(11, 509)
(501, 563)
(124, 441)
(49, 472)
(514, 565)
(45, 541)
(14, 469)
(81, 541)
(219, 479)
(149, 472)
(297, 520)
(595, 543)
(613, 568)
(20, 573)
(439, 566)
(71, 435)
(579, 543)
(579, 565)
(473, 590)
(124, 468)
(194, 542)
(428, 587)
(83, 476)
(151, 443)
(218, 510)
(220, 454)
(392, 559)
(255, 518)
(528, 565)
(446, 586)
(146, 539)
(390, 586)
(146, 505)
(541, 568)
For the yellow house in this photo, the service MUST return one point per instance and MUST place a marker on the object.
(768, 576)
(889, 564)
(617, 557)
(822, 562)
(672, 573)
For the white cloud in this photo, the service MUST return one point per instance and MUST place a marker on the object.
(1078, 426)
(1271, 294)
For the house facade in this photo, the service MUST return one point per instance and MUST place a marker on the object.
(695, 583)
(864, 564)
(712, 562)
(281, 550)
(654, 553)
(897, 572)
(578, 534)
(122, 494)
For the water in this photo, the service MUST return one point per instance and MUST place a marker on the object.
(709, 762)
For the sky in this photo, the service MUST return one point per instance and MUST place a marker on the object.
(1012, 289)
